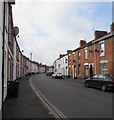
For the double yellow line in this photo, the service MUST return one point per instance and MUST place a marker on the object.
(53, 110)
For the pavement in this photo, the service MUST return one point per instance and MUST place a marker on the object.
(26, 105)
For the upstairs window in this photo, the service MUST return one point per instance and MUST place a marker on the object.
(102, 49)
(78, 55)
(86, 54)
(66, 60)
(73, 57)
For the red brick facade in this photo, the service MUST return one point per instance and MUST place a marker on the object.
(94, 57)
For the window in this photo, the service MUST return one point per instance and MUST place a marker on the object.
(73, 57)
(66, 60)
(95, 77)
(86, 70)
(86, 54)
(104, 69)
(101, 77)
(79, 69)
(110, 76)
(78, 55)
(102, 49)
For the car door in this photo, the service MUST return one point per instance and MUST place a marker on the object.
(94, 80)
(99, 81)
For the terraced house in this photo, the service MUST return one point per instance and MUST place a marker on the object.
(61, 63)
(94, 57)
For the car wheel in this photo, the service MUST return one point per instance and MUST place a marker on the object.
(103, 87)
(86, 85)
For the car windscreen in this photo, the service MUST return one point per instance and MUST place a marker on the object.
(110, 76)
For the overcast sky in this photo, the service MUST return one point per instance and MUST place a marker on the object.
(48, 29)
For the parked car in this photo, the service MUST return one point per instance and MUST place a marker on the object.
(49, 73)
(57, 75)
(101, 81)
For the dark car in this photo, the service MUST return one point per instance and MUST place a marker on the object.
(102, 81)
(49, 73)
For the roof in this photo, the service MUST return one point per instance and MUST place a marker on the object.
(111, 34)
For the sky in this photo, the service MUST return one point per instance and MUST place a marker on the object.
(48, 28)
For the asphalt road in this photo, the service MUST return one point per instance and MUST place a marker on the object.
(73, 99)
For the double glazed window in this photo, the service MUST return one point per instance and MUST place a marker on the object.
(102, 49)
(86, 54)
(78, 55)
(104, 68)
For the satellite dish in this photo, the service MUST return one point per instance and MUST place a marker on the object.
(15, 31)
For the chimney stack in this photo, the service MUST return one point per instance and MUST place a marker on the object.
(99, 34)
(112, 27)
(69, 51)
(82, 43)
(61, 55)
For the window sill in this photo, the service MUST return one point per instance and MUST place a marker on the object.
(102, 56)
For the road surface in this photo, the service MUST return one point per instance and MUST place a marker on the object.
(73, 99)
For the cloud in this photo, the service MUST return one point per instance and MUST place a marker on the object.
(49, 29)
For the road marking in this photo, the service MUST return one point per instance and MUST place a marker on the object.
(53, 110)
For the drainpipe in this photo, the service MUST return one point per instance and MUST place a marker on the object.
(3, 47)
(95, 58)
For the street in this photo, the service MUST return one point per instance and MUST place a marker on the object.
(73, 99)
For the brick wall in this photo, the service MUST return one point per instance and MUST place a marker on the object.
(94, 59)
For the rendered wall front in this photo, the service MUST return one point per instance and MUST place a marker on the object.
(1, 31)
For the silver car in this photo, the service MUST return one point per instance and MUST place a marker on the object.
(57, 75)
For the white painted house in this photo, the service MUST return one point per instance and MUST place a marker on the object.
(34, 68)
(1, 39)
(61, 65)
(64, 65)
(4, 33)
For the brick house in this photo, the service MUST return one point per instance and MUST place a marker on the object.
(94, 57)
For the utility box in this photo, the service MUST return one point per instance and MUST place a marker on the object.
(13, 88)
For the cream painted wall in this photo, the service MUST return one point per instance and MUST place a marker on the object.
(1, 31)
(6, 49)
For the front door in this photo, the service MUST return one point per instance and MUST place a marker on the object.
(91, 70)
(74, 72)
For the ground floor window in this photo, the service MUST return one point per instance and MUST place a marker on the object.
(104, 68)
(86, 70)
